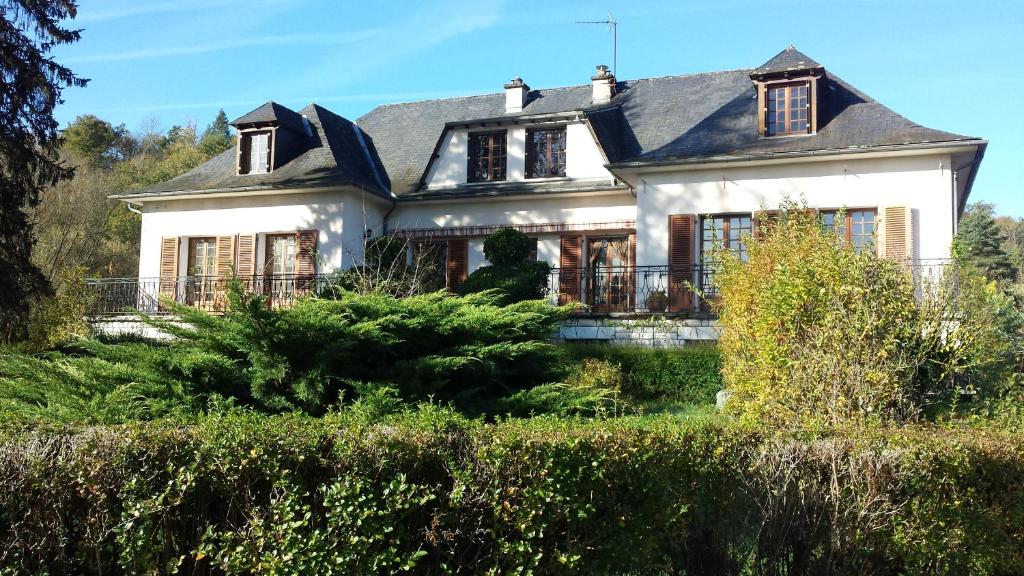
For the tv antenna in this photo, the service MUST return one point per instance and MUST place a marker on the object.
(613, 27)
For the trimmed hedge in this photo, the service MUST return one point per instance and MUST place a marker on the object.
(691, 374)
(431, 493)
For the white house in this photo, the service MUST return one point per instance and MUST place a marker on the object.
(625, 185)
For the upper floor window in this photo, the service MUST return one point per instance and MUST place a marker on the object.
(545, 153)
(487, 157)
(254, 156)
(788, 109)
(855, 227)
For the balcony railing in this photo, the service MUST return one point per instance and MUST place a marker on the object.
(603, 289)
(117, 296)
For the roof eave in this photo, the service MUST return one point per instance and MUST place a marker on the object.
(131, 197)
(975, 164)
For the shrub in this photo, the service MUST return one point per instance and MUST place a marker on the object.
(592, 388)
(428, 492)
(60, 317)
(510, 271)
(816, 333)
(688, 374)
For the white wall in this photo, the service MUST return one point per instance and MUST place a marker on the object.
(583, 156)
(917, 181)
(338, 216)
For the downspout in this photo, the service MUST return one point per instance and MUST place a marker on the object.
(133, 209)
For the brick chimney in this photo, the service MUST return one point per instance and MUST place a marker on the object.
(603, 84)
(515, 95)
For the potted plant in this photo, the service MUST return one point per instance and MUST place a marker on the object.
(657, 301)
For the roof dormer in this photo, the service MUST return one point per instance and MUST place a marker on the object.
(269, 137)
(787, 94)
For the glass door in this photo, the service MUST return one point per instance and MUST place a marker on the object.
(279, 270)
(609, 277)
(202, 272)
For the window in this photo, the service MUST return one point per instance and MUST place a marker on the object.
(857, 227)
(254, 156)
(202, 257)
(279, 267)
(487, 157)
(721, 232)
(609, 286)
(788, 109)
(545, 153)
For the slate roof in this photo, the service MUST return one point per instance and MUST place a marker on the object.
(272, 112)
(334, 157)
(788, 60)
(667, 120)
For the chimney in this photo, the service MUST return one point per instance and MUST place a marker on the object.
(604, 85)
(515, 95)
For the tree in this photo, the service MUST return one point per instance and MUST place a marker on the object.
(31, 84)
(217, 136)
(981, 243)
(95, 141)
(511, 270)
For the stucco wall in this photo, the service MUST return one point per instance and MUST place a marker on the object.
(338, 216)
(922, 182)
(583, 157)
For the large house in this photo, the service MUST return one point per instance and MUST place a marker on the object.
(626, 186)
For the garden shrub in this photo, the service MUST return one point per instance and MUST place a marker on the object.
(815, 333)
(510, 269)
(429, 492)
(686, 374)
(592, 388)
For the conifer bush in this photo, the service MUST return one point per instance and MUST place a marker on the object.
(510, 270)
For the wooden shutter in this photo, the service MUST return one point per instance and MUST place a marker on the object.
(244, 151)
(896, 235)
(631, 280)
(569, 269)
(680, 261)
(225, 263)
(458, 262)
(305, 258)
(169, 266)
(245, 261)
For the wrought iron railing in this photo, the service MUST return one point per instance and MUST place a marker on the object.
(603, 289)
(116, 296)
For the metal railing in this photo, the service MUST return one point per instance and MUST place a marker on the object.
(118, 296)
(603, 289)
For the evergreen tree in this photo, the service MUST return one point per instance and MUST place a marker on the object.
(981, 243)
(217, 136)
(30, 87)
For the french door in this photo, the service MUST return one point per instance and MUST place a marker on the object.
(609, 274)
(279, 268)
(202, 272)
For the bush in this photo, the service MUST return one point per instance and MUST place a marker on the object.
(687, 374)
(592, 388)
(510, 271)
(816, 333)
(59, 318)
(428, 492)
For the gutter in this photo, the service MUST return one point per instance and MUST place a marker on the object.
(797, 154)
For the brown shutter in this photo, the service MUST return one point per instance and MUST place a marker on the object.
(244, 149)
(458, 262)
(896, 236)
(569, 269)
(305, 259)
(168, 266)
(762, 109)
(225, 264)
(245, 260)
(680, 261)
(631, 280)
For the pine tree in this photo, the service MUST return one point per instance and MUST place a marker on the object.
(981, 243)
(30, 87)
(217, 136)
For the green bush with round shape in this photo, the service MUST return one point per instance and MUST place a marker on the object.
(506, 247)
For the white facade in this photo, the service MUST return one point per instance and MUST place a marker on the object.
(339, 217)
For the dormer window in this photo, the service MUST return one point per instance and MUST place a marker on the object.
(787, 94)
(254, 154)
(545, 153)
(486, 157)
(789, 108)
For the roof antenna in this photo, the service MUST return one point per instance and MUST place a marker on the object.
(613, 27)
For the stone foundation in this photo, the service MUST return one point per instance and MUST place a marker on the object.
(649, 332)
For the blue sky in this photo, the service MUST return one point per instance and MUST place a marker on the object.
(951, 65)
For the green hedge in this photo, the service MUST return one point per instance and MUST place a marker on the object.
(691, 374)
(431, 493)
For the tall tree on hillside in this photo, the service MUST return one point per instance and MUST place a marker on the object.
(96, 141)
(981, 243)
(31, 83)
(217, 136)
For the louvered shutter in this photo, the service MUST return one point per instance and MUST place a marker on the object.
(169, 267)
(225, 263)
(569, 269)
(631, 280)
(244, 152)
(896, 236)
(305, 259)
(680, 261)
(245, 261)
(458, 262)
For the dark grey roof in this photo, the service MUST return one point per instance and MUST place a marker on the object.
(788, 60)
(516, 188)
(272, 112)
(334, 157)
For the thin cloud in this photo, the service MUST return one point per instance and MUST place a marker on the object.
(279, 40)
